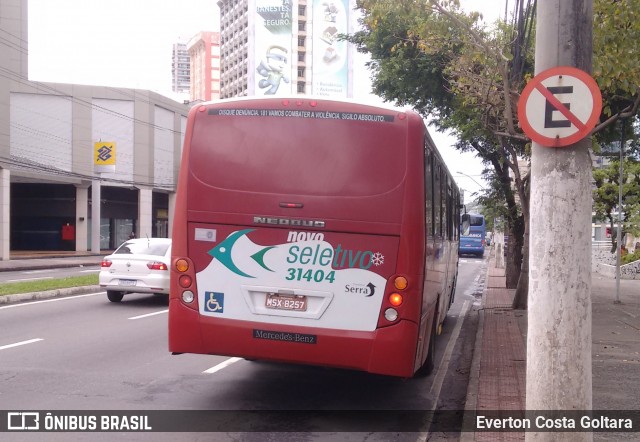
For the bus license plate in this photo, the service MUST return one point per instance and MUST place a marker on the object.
(286, 302)
(128, 282)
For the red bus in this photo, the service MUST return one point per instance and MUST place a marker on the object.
(312, 231)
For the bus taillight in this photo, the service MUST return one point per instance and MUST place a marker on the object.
(185, 281)
(395, 299)
(182, 265)
(400, 283)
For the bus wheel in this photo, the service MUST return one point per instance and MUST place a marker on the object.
(429, 362)
(114, 296)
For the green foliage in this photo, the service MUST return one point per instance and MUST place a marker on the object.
(616, 29)
(630, 257)
(606, 194)
(47, 284)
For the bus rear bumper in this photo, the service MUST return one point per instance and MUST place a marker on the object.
(388, 351)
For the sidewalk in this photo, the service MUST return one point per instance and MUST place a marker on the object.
(498, 378)
(48, 260)
(500, 366)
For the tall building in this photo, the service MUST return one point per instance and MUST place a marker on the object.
(204, 52)
(180, 69)
(81, 167)
(285, 47)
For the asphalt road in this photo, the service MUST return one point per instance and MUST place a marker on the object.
(86, 353)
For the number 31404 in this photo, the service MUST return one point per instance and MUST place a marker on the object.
(298, 274)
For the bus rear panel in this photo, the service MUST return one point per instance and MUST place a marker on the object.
(299, 235)
(472, 234)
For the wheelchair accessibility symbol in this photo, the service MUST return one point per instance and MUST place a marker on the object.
(214, 302)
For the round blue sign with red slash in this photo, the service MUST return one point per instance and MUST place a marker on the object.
(559, 106)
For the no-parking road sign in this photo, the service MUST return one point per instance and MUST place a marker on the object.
(559, 106)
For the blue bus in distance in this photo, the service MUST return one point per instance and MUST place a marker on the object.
(472, 234)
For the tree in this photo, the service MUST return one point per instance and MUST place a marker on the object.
(447, 66)
(468, 78)
(605, 195)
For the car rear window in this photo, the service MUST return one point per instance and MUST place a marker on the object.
(142, 248)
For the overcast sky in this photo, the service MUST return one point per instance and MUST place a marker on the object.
(127, 43)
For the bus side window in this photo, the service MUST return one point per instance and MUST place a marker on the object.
(465, 225)
(437, 206)
(443, 204)
(450, 223)
(428, 192)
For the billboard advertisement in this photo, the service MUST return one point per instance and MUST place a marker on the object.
(330, 61)
(273, 33)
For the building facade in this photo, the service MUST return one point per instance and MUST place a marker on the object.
(81, 167)
(204, 53)
(285, 47)
(180, 69)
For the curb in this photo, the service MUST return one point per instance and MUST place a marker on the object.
(47, 294)
(471, 401)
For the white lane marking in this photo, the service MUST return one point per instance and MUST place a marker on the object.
(31, 272)
(30, 341)
(29, 279)
(222, 365)
(89, 271)
(26, 304)
(149, 314)
(443, 368)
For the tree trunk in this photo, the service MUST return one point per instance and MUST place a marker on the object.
(520, 299)
(514, 253)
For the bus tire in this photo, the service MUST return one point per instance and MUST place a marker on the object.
(114, 296)
(430, 361)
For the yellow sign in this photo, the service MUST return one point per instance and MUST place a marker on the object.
(104, 154)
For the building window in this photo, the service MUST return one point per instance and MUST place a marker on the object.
(302, 26)
(302, 10)
(300, 72)
(301, 56)
(301, 87)
(301, 41)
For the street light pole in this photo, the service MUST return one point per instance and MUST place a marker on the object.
(472, 179)
(619, 230)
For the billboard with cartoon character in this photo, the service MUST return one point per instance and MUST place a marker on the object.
(330, 61)
(273, 47)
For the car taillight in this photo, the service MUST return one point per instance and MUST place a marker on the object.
(157, 265)
(106, 263)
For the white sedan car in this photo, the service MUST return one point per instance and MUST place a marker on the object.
(137, 266)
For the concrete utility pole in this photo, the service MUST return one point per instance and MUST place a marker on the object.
(559, 330)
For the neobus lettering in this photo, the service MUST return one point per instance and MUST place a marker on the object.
(288, 222)
(304, 236)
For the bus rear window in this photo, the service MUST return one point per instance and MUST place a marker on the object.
(298, 156)
(476, 221)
